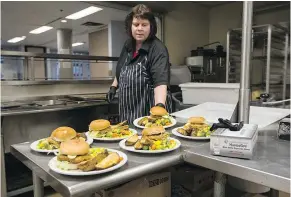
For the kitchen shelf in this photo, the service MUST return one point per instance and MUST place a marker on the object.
(270, 47)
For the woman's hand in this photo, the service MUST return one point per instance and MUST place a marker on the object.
(111, 94)
(112, 91)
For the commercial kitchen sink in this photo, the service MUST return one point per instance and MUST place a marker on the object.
(51, 102)
(46, 102)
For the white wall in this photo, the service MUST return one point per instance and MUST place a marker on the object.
(228, 16)
(185, 28)
(221, 19)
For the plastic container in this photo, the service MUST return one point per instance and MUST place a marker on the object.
(197, 93)
(178, 102)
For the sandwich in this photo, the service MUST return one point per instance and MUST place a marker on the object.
(195, 127)
(155, 133)
(99, 126)
(102, 129)
(158, 112)
(153, 138)
(59, 135)
(196, 120)
(62, 134)
(158, 117)
(76, 154)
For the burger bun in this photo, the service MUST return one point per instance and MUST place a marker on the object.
(74, 147)
(196, 120)
(155, 130)
(158, 111)
(63, 133)
(98, 125)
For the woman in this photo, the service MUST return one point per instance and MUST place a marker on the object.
(143, 69)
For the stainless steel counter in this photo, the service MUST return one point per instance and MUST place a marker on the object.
(137, 165)
(33, 109)
(104, 80)
(270, 165)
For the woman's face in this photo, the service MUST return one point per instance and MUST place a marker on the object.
(141, 29)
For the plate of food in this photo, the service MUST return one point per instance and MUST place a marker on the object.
(159, 117)
(103, 131)
(76, 158)
(196, 128)
(153, 140)
(52, 144)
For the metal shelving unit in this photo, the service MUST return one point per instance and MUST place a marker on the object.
(269, 60)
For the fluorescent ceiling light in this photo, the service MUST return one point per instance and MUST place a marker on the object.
(63, 21)
(83, 13)
(16, 39)
(40, 30)
(77, 44)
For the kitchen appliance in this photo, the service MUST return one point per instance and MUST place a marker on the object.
(207, 65)
(179, 75)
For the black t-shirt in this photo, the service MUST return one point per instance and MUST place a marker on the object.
(157, 60)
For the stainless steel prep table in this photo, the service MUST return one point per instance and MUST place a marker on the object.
(137, 165)
(270, 165)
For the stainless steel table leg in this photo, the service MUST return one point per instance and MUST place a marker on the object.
(38, 186)
(219, 184)
(3, 173)
(274, 193)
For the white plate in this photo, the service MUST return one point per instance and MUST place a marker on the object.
(132, 149)
(142, 127)
(176, 133)
(112, 139)
(53, 166)
(33, 145)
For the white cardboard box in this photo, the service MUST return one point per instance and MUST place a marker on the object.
(155, 185)
(239, 144)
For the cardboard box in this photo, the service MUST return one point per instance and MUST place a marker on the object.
(192, 178)
(239, 144)
(155, 185)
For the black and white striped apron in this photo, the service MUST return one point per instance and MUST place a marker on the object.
(136, 91)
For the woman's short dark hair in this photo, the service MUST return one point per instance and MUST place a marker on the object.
(143, 12)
